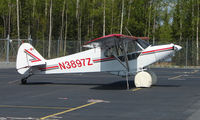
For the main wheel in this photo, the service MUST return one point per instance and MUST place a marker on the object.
(143, 79)
(23, 81)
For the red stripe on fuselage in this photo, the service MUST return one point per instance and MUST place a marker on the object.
(103, 59)
(157, 50)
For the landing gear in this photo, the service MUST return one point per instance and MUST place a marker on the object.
(24, 79)
(145, 79)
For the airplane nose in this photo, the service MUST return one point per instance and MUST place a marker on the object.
(177, 47)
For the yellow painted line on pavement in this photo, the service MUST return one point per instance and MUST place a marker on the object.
(195, 71)
(69, 110)
(136, 89)
(31, 107)
(172, 78)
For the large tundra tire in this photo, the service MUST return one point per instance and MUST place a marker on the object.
(143, 79)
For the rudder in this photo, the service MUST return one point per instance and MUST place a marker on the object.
(27, 57)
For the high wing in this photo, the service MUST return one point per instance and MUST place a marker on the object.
(109, 41)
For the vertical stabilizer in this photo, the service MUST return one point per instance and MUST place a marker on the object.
(27, 57)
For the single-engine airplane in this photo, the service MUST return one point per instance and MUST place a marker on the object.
(117, 54)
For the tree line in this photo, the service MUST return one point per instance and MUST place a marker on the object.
(45, 21)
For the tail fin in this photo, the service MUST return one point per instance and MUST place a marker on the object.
(27, 57)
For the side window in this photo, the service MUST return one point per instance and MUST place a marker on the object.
(118, 49)
(109, 52)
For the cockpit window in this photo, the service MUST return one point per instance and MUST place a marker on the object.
(143, 43)
(118, 49)
(109, 52)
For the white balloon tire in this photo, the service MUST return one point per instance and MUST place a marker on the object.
(143, 79)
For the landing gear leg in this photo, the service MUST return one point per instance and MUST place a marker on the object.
(127, 82)
(145, 79)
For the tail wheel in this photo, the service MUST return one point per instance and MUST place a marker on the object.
(143, 79)
(24, 78)
(23, 81)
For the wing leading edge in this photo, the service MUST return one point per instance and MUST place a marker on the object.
(110, 40)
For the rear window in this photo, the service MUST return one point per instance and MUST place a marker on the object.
(143, 43)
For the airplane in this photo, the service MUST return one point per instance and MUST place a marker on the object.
(117, 54)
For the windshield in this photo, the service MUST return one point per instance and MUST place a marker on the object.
(132, 47)
(143, 43)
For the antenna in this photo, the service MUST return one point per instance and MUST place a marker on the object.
(128, 31)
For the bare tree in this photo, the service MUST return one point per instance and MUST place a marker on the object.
(18, 32)
(33, 8)
(111, 29)
(154, 23)
(193, 30)
(65, 42)
(180, 23)
(92, 22)
(181, 26)
(122, 17)
(104, 18)
(9, 14)
(193, 27)
(46, 3)
(78, 18)
(50, 29)
(4, 25)
(129, 11)
(45, 27)
(197, 33)
(62, 26)
(149, 21)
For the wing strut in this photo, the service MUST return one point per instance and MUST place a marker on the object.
(127, 64)
(115, 56)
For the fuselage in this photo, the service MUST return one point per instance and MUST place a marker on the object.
(117, 54)
(95, 60)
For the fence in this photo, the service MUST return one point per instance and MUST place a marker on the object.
(8, 50)
(187, 56)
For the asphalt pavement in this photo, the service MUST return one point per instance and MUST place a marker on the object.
(100, 96)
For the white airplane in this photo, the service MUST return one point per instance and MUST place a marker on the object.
(116, 54)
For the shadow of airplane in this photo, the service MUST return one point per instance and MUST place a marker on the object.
(119, 85)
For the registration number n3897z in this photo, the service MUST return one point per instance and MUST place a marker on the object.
(75, 63)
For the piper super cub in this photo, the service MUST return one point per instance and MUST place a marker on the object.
(117, 54)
